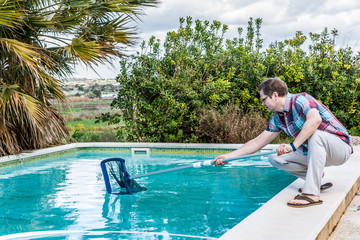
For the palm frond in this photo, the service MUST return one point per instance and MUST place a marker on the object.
(8, 143)
(10, 13)
(26, 54)
(51, 89)
(86, 51)
(15, 103)
(34, 123)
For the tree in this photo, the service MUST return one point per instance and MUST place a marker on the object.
(40, 41)
(97, 93)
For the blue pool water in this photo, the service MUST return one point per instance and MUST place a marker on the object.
(65, 198)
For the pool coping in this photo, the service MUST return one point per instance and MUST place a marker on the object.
(274, 220)
(39, 152)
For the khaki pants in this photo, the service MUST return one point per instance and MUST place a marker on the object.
(324, 149)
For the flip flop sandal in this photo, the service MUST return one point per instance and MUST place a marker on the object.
(310, 201)
(323, 187)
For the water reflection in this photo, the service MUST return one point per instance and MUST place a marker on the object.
(118, 209)
(28, 199)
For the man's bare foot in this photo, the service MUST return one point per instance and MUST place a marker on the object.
(304, 200)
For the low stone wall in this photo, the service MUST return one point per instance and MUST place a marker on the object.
(355, 140)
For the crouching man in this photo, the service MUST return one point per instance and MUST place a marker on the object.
(320, 140)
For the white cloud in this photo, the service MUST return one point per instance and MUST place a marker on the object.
(335, 6)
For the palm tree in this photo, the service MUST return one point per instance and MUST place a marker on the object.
(40, 42)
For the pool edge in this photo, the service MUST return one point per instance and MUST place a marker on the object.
(40, 152)
(275, 220)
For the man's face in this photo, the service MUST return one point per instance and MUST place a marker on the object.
(267, 101)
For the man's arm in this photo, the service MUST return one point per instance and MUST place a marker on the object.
(313, 121)
(249, 147)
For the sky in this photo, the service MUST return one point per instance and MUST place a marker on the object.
(281, 20)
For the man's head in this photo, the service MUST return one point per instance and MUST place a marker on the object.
(273, 85)
(273, 93)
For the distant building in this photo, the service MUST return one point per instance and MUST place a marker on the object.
(108, 96)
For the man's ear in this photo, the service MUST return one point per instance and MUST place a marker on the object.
(276, 95)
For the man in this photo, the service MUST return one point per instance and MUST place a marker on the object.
(319, 139)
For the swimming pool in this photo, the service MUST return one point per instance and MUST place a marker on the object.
(65, 196)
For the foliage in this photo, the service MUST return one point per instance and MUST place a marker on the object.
(95, 136)
(230, 125)
(165, 90)
(355, 131)
(162, 96)
(88, 123)
(330, 75)
(40, 41)
(90, 131)
(97, 93)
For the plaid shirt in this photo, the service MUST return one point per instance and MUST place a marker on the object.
(292, 120)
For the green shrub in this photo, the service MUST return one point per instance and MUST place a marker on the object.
(332, 76)
(165, 92)
(90, 136)
(162, 96)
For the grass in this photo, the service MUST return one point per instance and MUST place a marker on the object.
(80, 115)
(88, 123)
(71, 110)
(89, 131)
(92, 102)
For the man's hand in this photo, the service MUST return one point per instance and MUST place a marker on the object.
(283, 149)
(220, 160)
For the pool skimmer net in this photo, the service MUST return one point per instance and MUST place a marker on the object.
(118, 180)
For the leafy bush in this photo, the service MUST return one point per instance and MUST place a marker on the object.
(90, 136)
(92, 131)
(165, 92)
(332, 76)
(162, 96)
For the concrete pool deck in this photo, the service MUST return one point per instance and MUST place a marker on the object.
(274, 220)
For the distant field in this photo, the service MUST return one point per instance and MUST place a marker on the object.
(92, 102)
(71, 110)
(83, 106)
(80, 113)
(92, 107)
(87, 123)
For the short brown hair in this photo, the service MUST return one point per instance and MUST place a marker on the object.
(271, 85)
